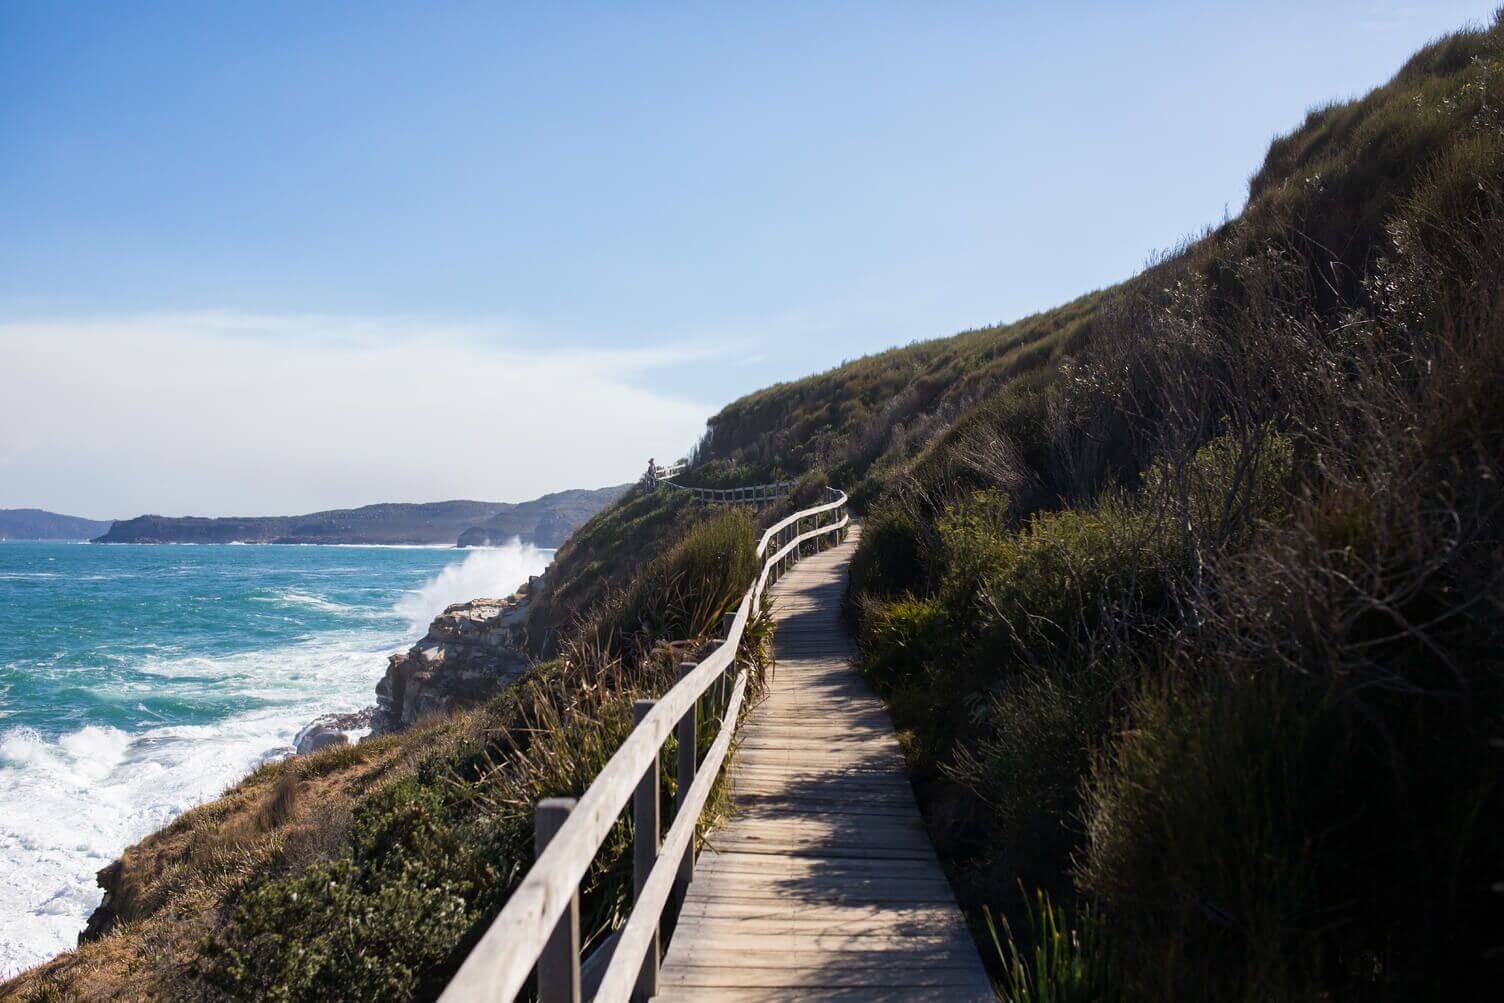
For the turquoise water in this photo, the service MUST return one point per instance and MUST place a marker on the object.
(138, 681)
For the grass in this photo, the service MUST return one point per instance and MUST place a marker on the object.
(1067, 963)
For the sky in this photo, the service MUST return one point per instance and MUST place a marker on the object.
(278, 257)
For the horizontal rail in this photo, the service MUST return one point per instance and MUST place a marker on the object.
(753, 493)
(657, 476)
(498, 967)
(778, 527)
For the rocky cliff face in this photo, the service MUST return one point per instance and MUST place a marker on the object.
(470, 652)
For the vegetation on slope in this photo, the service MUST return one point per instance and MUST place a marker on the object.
(368, 872)
(1191, 612)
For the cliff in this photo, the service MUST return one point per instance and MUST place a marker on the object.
(544, 522)
(470, 652)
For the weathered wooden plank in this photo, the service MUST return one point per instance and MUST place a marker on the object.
(865, 938)
(772, 956)
(908, 915)
(823, 976)
(718, 862)
(866, 994)
(839, 889)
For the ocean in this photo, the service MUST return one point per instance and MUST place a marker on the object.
(137, 681)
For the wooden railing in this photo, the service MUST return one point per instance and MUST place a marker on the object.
(755, 494)
(751, 494)
(540, 924)
(657, 474)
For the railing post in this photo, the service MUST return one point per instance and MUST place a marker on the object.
(559, 964)
(689, 746)
(645, 854)
(722, 691)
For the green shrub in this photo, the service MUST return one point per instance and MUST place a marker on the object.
(1199, 849)
(1030, 596)
(683, 591)
(902, 642)
(1023, 773)
(1063, 957)
(374, 923)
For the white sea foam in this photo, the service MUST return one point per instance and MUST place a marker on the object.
(70, 804)
(73, 803)
(292, 597)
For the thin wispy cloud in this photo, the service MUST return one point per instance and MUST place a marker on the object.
(231, 413)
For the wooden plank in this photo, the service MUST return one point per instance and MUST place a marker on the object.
(868, 994)
(715, 863)
(959, 956)
(823, 976)
(869, 934)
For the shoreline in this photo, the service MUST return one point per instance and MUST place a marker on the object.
(220, 715)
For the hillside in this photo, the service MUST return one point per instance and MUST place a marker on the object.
(544, 522)
(1187, 598)
(35, 524)
(1187, 595)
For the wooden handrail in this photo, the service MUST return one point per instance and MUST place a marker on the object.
(751, 493)
(498, 967)
(631, 947)
(657, 476)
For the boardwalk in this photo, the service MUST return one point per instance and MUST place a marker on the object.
(823, 886)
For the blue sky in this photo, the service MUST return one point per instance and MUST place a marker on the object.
(688, 201)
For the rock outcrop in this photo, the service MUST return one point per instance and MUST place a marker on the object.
(103, 919)
(470, 652)
(331, 729)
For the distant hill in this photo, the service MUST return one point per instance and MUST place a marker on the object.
(543, 521)
(546, 522)
(35, 524)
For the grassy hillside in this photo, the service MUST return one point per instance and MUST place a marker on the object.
(860, 422)
(1187, 595)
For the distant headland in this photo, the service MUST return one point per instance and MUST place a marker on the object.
(36, 524)
(543, 522)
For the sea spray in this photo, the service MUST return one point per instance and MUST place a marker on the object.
(489, 572)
